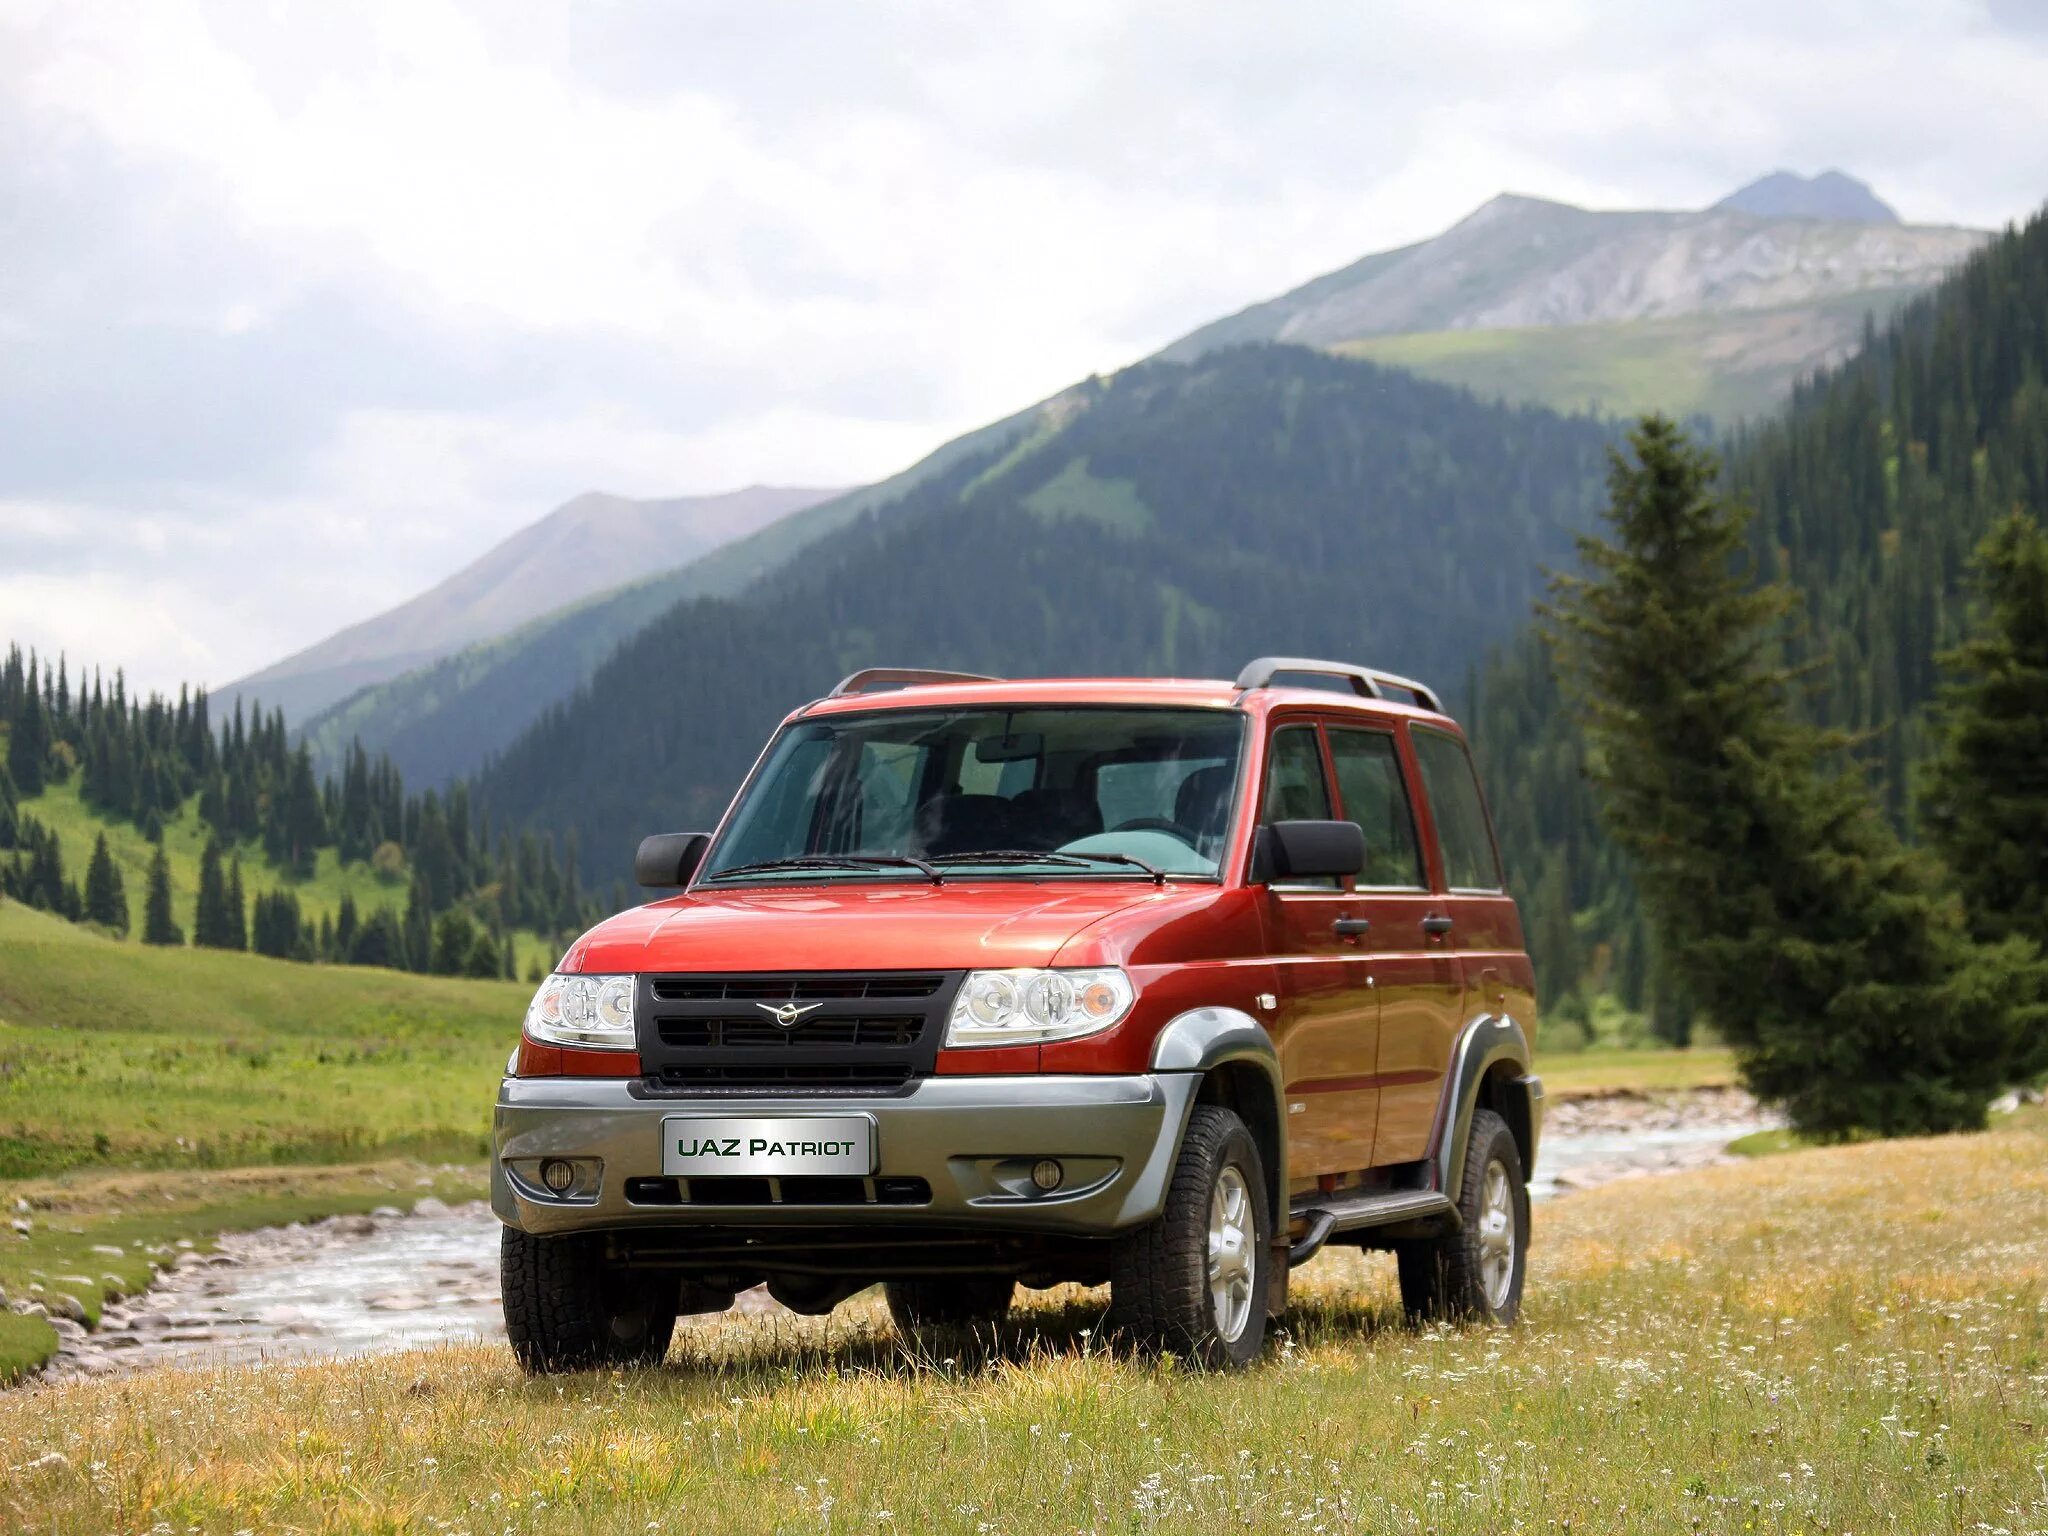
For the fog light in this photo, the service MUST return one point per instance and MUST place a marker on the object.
(558, 1175)
(1046, 1173)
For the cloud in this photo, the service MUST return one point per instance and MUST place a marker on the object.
(304, 306)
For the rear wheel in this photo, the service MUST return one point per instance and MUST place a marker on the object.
(930, 1311)
(1476, 1272)
(1195, 1280)
(566, 1309)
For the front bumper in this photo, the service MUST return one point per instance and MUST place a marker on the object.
(971, 1139)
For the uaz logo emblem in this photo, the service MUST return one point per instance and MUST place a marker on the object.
(788, 1013)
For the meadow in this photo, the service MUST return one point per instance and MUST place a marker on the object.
(1848, 1340)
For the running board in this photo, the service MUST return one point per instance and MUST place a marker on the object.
(1380, 1208)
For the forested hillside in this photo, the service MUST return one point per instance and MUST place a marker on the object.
(147, 818)
(1871, 491)
(1174, 519)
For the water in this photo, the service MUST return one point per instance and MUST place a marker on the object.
(356, 1287)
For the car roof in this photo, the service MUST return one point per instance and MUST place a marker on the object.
(1142, 692)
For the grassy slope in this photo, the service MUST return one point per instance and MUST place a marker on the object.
(1845, 1340)
(119, 1055)
(1584, 1074)
(1727, 366)
(76, 825)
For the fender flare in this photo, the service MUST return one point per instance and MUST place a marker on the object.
(1203, 1039)
(1486, 1044)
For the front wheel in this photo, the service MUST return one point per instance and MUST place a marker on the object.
(566, 1309)
(1476, 1272)
(1195, 1279)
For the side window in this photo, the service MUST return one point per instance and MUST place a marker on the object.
(1295, 787)
(1461, 828)
(1369, 783)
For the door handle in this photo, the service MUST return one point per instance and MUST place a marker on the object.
(1436, 923)
(1352, 927)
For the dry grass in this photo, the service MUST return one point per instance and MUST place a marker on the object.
(1843, 1341)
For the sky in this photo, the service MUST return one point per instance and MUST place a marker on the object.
(302, 307)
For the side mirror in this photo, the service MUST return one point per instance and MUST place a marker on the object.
(1307, 850)
(669, 858)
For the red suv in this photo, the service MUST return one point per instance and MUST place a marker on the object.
(1154, 982)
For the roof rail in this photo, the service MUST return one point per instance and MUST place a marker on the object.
(1367, 682)
(876, 679)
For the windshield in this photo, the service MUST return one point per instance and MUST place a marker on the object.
(1028, 793)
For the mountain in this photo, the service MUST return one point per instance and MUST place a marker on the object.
(1830, 195)
(584, 546)
(1718, 311)
(1710, 313)
(443, 720)
(1175, 518)
(1872, 489)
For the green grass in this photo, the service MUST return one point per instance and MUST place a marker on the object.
(75, 1221)
(320, 894)
(1600, 1070)
(1727, 366)
(120, 1055)
(1076, 491)
(1850, 1340)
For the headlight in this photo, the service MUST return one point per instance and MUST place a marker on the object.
(595, 1012)
(1022, 1007)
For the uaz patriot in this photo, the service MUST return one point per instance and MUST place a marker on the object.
(1158, 983)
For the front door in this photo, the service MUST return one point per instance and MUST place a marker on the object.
(1327, 1026)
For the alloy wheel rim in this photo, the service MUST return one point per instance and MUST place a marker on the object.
(1497, 1234)
(1231, 1254)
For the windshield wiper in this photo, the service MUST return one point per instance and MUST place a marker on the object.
(833, 861)
(1063, 860)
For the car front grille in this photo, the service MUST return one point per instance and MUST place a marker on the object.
(855, 1030)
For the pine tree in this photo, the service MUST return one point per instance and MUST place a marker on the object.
(106, 901)
(28, 742)
(210, 926)
(1823, 951)
(236, 931)
(483, 957)
(158, 926)
(1984, 794)
(454, 939)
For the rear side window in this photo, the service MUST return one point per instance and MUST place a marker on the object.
(1369, 780)
(1462, 833)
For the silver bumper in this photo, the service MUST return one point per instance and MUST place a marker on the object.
(972, 1139)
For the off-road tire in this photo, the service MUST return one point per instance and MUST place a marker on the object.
(931, 1312)
(1159, 1274)
(567, 1310)
(1444, 1278)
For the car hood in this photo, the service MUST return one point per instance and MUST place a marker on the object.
(956, 926)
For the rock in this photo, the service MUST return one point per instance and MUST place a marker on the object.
(21, 1205)
(64, 1304)
(278, 1317)
(22, 1226)
(184, 1242)
(27, 1308)
(352, 1226)
(387, 1211)
(68, 1328)
(398, 1301)
(150, 1320)
(49, 1461)
(188, 1260)
(2006, 1102)
(429, 1206)
(111, 1250)
(120, 1341)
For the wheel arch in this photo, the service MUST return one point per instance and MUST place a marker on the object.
(1489, 1070)
(1240, 1071)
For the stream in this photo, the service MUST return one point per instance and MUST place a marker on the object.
(353, 1285)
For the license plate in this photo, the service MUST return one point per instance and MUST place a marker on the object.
(784, 1146)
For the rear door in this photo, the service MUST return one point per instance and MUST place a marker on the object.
(1409, 970)
(1327, 1028)
(1476, 932)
